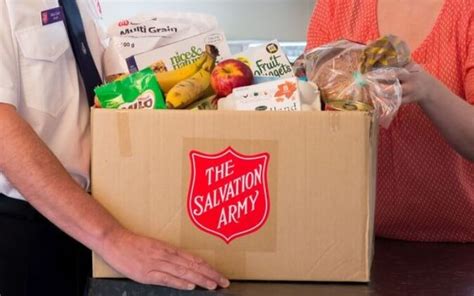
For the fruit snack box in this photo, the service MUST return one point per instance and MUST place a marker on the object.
(267, 60)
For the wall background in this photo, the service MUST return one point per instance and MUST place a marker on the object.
(285, 20)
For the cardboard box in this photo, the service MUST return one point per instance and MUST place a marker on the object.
(307, 188)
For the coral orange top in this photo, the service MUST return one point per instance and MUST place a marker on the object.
(425, 190)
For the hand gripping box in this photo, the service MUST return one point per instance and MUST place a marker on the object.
(260, 195)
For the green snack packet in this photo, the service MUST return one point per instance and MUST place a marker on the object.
(139, 90)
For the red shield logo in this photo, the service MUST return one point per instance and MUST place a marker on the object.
(228, 193)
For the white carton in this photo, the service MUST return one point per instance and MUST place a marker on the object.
(278, 95)
(267, 60)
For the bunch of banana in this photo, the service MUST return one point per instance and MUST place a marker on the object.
(168, 80)
(195, 87)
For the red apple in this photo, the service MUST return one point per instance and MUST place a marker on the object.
(230, 74)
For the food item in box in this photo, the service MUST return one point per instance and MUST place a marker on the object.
(348, 106)
(267, 60)
(330, 79)
(115, 77)
(280, 95)
(209, 103)
(143, 33)
(139, 90)
(387, 51)
(230, 74)
(159, 67)
(168, 80)
(299, 67)
(114, 64)
(192, 89)
(181, 54)
(310, 96)
(262, 79)
(348, 71)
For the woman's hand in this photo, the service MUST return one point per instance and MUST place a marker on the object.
(153, 262)
(418, 86)
(452, 115)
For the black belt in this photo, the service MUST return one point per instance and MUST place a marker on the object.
(18, 208)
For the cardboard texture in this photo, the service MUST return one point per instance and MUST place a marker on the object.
(321, 187)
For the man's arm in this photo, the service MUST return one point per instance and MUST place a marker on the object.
(39, 176)
(453, 116)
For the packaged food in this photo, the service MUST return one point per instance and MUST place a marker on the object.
(348, 71)
(310, 96)
(267, 60)
(348, 106)
(280, 95)
(197, 86)
(143, 33)
(299, 67)
(180, 54)
(334, 68)
(387, 51)
(209, 103)
(139, 90)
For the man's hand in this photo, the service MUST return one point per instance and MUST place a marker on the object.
(153, 262)
(51, 190)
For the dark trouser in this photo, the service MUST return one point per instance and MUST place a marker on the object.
(36, 258)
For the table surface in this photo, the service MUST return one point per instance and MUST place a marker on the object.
(400, 268)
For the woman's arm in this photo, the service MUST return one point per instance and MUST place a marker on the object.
(453, 116)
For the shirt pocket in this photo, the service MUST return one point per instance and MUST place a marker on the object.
(48, 69)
